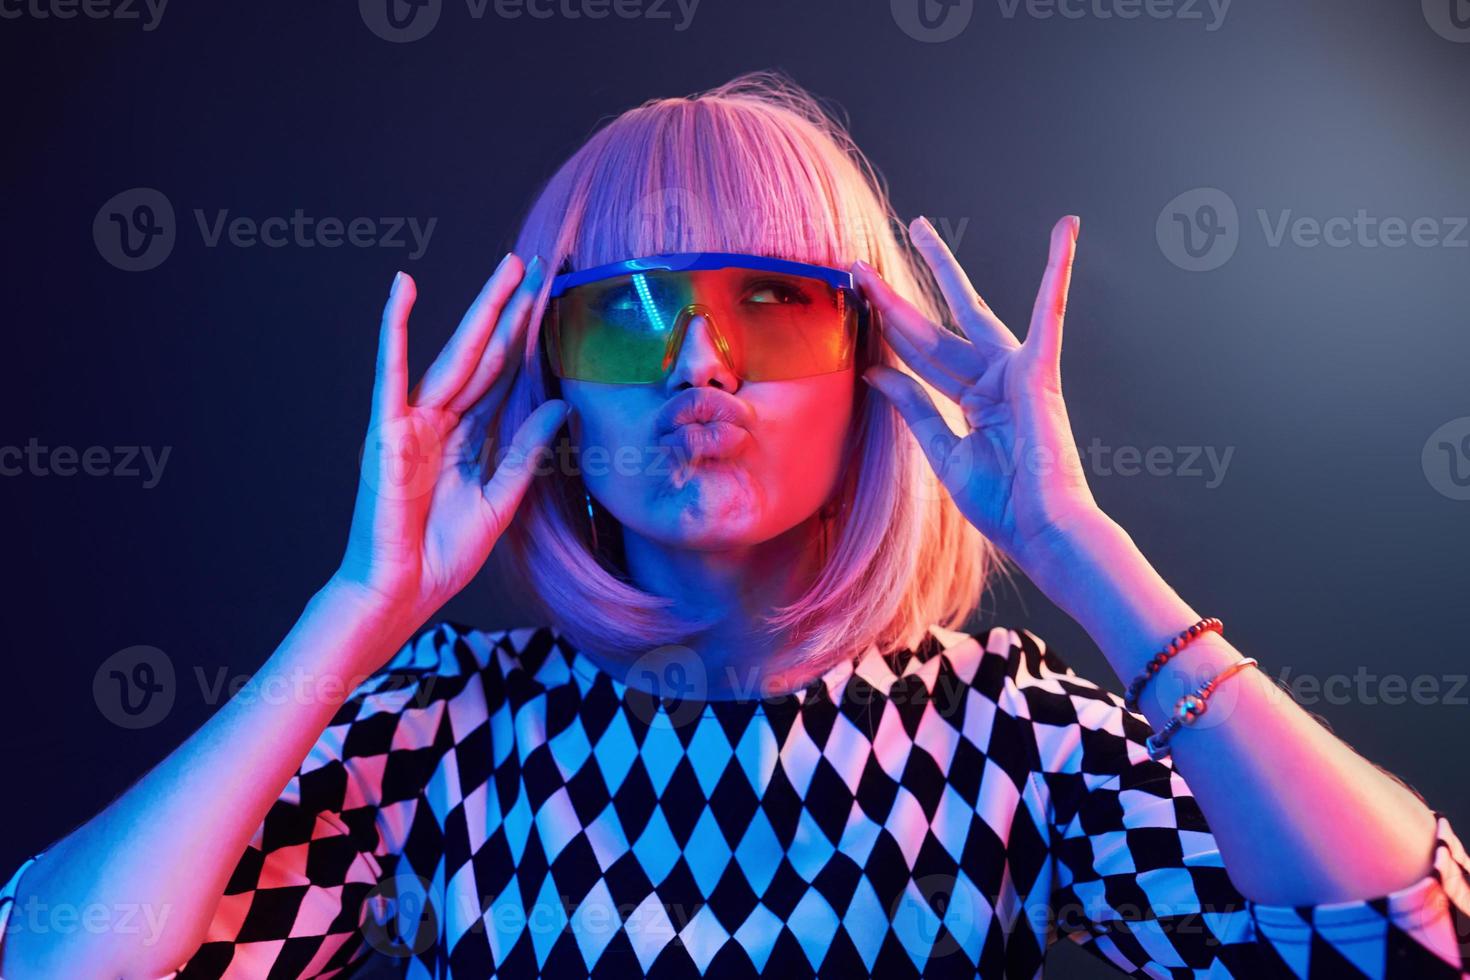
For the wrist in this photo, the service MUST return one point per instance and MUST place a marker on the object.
(362, 627)
(1054, 558)
(1093, 570)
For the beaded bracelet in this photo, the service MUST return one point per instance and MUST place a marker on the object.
(1189, 708)
(1184, 639)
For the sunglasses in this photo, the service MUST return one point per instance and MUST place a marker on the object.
(770, 319)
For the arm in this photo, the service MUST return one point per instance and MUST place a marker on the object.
(420, 532)
(170, 843)
(1266, 772)
(1139, 879)
(1302, 818)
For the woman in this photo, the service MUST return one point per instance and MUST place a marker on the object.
(752, 738)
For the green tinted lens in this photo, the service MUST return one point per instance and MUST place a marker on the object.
(768, 326)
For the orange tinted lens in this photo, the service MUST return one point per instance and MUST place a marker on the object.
(769, 326)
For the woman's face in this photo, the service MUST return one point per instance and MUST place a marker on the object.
(771, 459)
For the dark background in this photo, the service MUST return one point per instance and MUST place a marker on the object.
(1329, 547)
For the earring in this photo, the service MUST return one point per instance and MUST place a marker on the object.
(825, 517)
(591, 519)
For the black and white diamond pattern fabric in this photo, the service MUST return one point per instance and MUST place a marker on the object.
(493, 804)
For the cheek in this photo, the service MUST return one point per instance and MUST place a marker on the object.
(610, 438)
(804, 437)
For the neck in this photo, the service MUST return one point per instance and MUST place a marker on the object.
(739, 586)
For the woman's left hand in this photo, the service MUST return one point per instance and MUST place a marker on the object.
(1016, 473)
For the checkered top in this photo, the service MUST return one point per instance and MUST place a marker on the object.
(494, 804)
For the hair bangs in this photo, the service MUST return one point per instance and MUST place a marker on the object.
(756, 165)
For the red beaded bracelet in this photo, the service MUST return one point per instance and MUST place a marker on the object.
(1189, 708)
(1184, 639)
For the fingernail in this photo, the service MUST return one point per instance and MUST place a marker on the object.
(1076, 226)
(397, 281)
(501, 265)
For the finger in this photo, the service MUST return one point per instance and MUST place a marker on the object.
(470, 439)
(935, 437)
(970, 310)
(1050, 310)
(523, 461)
(935, 354)
(457, 361)
(390, 380)
(505, 340)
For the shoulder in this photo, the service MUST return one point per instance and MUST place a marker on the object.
(996, 659)
(448, 657)
(1065, 715)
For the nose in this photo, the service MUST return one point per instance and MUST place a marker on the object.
(699, 361)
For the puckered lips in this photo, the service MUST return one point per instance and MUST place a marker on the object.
(705, 423)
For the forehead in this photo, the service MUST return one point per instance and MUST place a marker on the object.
(704, 265)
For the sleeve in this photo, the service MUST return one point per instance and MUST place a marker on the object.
(294, 903)
(1140, 883)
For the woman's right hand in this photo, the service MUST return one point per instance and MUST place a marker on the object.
(428, 512)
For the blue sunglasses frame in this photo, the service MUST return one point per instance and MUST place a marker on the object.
(840, 279)
(697, 261)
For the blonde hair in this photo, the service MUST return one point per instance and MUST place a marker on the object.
(754, 165)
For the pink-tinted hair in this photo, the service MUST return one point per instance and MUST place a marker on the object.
(755, 165)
